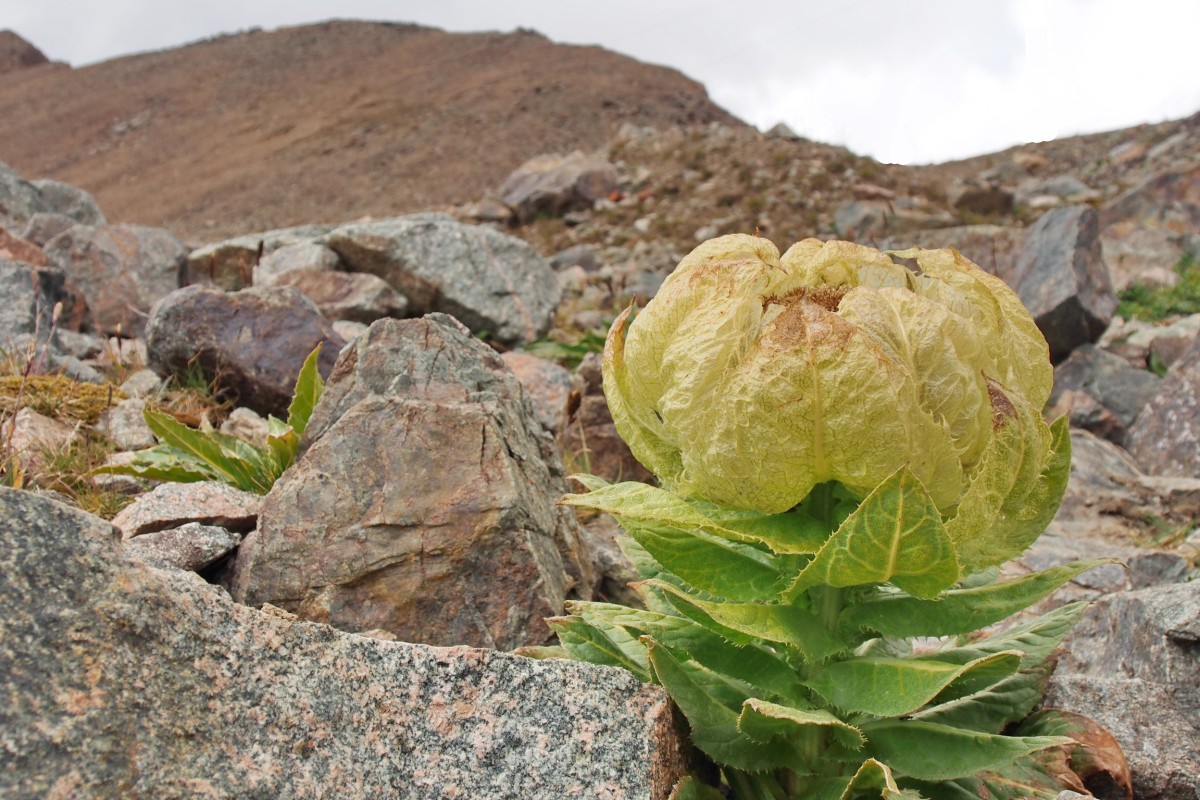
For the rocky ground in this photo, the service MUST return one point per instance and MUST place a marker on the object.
(462, 387)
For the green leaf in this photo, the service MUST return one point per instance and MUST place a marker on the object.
(892, 687)
(993, 708)
(711, 563)
(713, 713)
(590, 482)
(763, 721)
(773, 622)
(930, 752)
(604, 645)
(203, 447)
(895, 535)
(871, 780)
(753, 665)
(308, 390)
(1015, 492)
(1024, 778)
(161, 463)
(958, 610)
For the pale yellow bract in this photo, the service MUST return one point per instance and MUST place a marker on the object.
(750, 377)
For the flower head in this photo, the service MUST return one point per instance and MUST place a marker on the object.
(750, 377)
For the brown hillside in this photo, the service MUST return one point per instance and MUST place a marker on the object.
(325, 122)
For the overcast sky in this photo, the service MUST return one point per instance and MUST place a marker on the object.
(907, 81)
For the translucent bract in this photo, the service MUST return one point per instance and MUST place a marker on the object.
(750, 377)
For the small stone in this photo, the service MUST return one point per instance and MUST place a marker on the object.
(190, 547)
(173, 504)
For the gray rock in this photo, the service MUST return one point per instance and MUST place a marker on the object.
(781, 130)
(121, 680)
(27, 299)
(1111, 381)
(142, 383)
(247, 426)
(871, 221)
(230, 264)
(19, 199)
(122, 270)
(1066, 187)
(555, 184)
(190, 547)
(173, 504)
(1062, 280)
(1133, 665)
(69, 201)
(309, 256)
(125, 426)
(44, 226)
(491, 282)
(353, 296)
(1109, 499)
(546, 384)
(1165, 438)
(1146, 227)
(252, 342)
(424, 502)
(979, 197)
(578, 255)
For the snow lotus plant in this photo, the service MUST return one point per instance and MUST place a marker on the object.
(847, 448)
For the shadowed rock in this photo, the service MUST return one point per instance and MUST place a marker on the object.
(252, 342)
(1062, 280)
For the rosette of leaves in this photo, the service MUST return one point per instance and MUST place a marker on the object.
(188, 455)
(848, 448)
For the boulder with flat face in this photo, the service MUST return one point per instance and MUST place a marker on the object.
(424, 503)
(1063, 281)
(493, 283)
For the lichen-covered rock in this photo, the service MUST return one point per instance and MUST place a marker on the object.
(252, 342)
(424, 502)
(122, 270)
(125, 681)
(491, 282)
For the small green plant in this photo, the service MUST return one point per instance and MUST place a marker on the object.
(187, 455)
(568, 353)
(1153, 303)
(847, 451)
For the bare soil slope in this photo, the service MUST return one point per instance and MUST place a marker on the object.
(324, 122)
